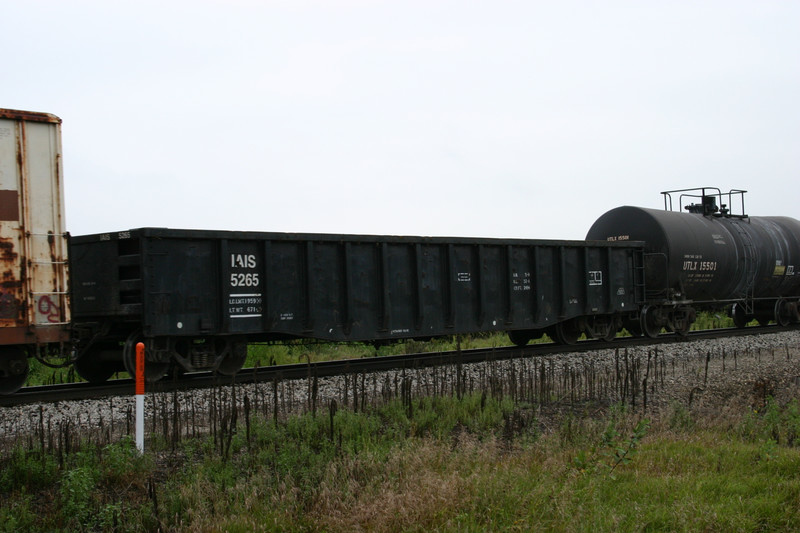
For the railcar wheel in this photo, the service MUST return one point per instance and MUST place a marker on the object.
(739, 316)
(153, 370)
(649, 323)
(682, 330)
(94, 367)
(613, 329)
(520, 337)
(611, 334)
(681, 321)
(13, 369)
(176, 371)
(566, 332)
(783, 312)
(233, 362)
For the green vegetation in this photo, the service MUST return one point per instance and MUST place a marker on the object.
(303, 352)
(85, 489)
(475, 464)
(709, 320)
(44, 375)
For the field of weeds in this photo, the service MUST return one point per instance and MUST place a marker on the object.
(473, 464)
(720, 454)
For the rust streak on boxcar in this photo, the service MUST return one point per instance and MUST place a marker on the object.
(10, 306)
(33, 116)
(51, 242)
(7, 253)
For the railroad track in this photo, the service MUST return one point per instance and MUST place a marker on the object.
(124, 387)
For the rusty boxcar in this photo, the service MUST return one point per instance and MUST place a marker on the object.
(34, 297)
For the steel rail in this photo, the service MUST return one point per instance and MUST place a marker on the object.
(266, 374)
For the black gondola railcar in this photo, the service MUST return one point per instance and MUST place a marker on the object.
(196, 298)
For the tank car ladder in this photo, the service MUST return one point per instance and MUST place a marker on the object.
(748, 257)
(639, 277)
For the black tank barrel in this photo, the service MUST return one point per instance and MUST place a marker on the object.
(709, 257)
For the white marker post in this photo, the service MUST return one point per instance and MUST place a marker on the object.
(140, 397)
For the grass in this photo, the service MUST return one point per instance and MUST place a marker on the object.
(80, 490)
(302, 352)
(475, 464)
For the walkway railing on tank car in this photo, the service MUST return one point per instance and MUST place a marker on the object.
(712, 201)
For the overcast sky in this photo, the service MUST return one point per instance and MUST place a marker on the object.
(492, 119)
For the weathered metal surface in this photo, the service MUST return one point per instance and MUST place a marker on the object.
(34, 300)
(30, 116)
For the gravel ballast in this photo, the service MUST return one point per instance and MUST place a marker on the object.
(710, 376)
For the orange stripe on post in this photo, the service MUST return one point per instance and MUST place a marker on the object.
(140, 368)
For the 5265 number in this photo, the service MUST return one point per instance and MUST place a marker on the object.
(244, 280)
